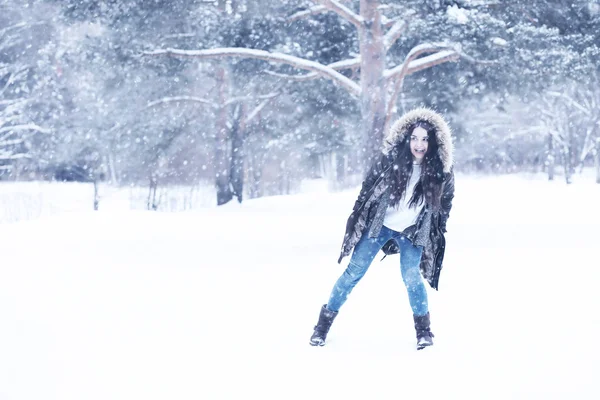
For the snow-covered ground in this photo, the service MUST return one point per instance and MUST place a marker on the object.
(220, 303)
(30, 200)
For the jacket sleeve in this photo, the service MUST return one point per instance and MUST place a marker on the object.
(447, 196)
(368, 185)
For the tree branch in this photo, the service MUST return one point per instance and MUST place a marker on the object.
(382, 7)
(394, 33)
(410, 65)
(12, 142)
(8, 120)
(9, 156)
(339, 65)
(268, 96)
(444, 53)
(175, 99)
(571, 101)
(259, 108)
(474, 60)
(343, 11)
(432, 60)
(305, 13)
(14, 76)
(18, 25)
(588, 144)
(24, 127)
(296, 62)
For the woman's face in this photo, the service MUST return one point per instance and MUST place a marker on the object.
(418, 144)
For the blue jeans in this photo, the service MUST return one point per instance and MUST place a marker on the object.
(364, 253)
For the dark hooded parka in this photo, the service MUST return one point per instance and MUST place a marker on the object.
(370, 207)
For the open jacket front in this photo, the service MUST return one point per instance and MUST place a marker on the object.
(370, 207)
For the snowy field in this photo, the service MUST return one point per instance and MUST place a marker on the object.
(30, 200)
(220, 303)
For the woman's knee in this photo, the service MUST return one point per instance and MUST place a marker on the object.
(412, 277)
(355, 271)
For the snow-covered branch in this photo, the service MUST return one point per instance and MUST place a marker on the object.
(179, 35)
(343, 11)
(443, 53)
(588, 144)
(5, 156)
(8, 139)
(193, 99)
(24, 127)
(474, 60)
(571, 101)
(412, 65)
(3, 31)
(434, 59)
(339, 65)
(13, 77)
(175, 99)
(5, 103)
(266, 100)
(305, 13)
(8, 120)
(256, 111)
(8, 82)
(390, 6)
(6, 143)
(296, 62)
(394, 33)
(268, 96)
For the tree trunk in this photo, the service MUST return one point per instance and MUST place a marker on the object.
(567, 164)
(284, 179)
(16, 170)
(256, 159)
(340, 170)
(236, 176)
(96, 194)
(550, 159)
(111, 167)
(152, 194)
(235, 6)
(221, 164)
(373, 95)
(597, 160)
(255, 175)
(253, 8)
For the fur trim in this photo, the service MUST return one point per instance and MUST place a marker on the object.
(443, 133)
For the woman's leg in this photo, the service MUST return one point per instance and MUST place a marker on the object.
(364, 252)
(410, 260)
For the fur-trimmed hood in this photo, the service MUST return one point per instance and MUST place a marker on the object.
(443, 133)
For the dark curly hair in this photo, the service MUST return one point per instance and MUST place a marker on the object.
(429, 187)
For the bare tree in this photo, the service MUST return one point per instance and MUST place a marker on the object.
(378, 86)
(583, 104)
(15, 129)
(231, 132)
(558, 120)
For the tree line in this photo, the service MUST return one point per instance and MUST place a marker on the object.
(255, 96)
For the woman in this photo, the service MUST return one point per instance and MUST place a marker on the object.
(403, 207)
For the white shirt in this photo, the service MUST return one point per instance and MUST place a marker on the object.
(404, 216)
